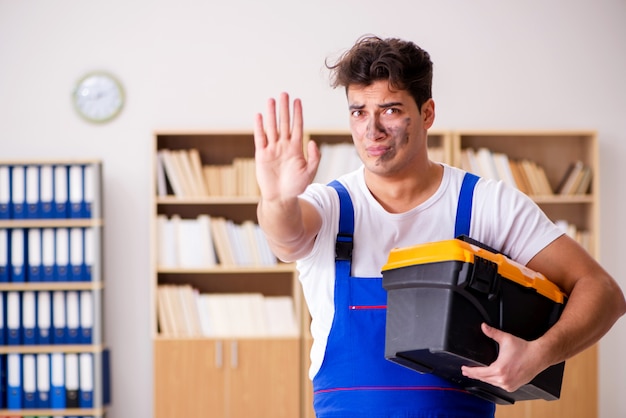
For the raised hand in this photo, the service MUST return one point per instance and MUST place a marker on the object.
(282, 169)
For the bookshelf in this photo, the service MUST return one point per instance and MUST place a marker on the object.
(53, 359)
(230, 372)
(554, 151)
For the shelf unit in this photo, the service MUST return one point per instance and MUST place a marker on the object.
(554, 151)
(79, 395)
(226, 376)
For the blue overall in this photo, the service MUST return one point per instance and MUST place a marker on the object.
(355, 379)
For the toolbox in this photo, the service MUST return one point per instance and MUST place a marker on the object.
(439, 293)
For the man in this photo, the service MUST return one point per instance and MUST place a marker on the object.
(401, 198)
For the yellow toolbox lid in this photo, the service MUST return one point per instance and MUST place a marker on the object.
(458, 250)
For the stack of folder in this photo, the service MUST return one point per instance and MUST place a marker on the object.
(51, 380)
(31, 191)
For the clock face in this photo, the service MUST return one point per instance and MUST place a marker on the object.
(98, 97)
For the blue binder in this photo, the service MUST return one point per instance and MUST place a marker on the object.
(76, 191)
(59, 326)
(14, 381)
(77, 248)
(72, 318)
(29, 381)
(48, 273)
(57, 381)
(29, 318)
(89, 248)
(62, 254)
(13, 322)
(34, 270)
(90, 186)
(5, 246)
(43, 380)
(32, 192)
(61, 191)
(44, 318)
(3, 379)
(5, 191)
(86, 382)
(86, 317)
(46, 191)
(18, 249)
(3, 328)
(18, 192)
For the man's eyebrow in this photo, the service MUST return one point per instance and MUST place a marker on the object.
(391, 104)
(381, 106)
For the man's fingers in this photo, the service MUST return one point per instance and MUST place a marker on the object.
(271, 129)
(260, 139)
(284, 121)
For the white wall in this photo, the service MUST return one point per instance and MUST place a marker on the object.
(211, 65)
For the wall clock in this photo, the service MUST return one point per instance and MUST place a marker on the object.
(98, 97)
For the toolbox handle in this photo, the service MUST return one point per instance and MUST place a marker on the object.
(485, 278)
(469, 240)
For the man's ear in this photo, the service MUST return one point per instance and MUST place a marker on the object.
(428, 113)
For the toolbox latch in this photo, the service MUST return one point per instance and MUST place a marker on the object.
(343, 247)
(484, 277)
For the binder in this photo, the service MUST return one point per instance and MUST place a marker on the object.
(89, 254)
(89, 190)
(5, 192)
(46, 191)
(13, 318)
(43, 381)
(32, 192)
(76, 191)
(86, 382)
(86, 317)
(105, 368)
(72, 319)
(18, 192)
(29, 381)
(44, 318)
(29, 317)
(17, 272)
(58, 317)
(3, 332)
(62, 254)
(34, 270)
(57, 381)
(48, 273)
(76, 273)
(71, 381)
(60, 191)
(4, 255)
(14, 381)
(3, 379)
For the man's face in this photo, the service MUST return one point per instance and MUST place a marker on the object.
(388, 129)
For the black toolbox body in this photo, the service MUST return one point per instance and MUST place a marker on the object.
(438, 294)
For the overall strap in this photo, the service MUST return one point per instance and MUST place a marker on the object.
(464, 207)
(344, 242)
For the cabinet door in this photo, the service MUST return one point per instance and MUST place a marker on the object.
(264, 378)
(189, 379)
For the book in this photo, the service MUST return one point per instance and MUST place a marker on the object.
(566, 185)
(172, 172)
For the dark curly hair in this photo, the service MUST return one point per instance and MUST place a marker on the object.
(405, 65)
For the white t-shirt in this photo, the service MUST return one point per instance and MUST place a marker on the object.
(502, 218)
